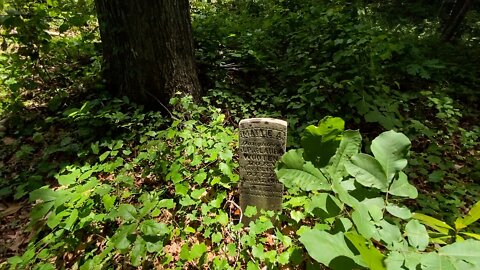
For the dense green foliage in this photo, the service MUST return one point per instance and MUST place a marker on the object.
(108, 184)
(357, 197)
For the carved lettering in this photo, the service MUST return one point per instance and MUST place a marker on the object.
(262, 143)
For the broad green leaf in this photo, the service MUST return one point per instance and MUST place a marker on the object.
(401, 187)
(166, 203)
(181, 189)
(293, 171)
(297, 215)
(252, 266)
(468, 251)
(367, 171)
(45, 266)
(127, 212)
(250, 211)
(151, 227)
(197, 251)
(391, 235)
(390, 149)
(400, 212)
(154, 246)
(417, 234)
(222, 218)
(412, 259)
(342, 225)
(13, 261)
(343, 194)
(406, 259)
(293, 159)
(68, 179)
(226, 154)
(108, 201)
(139, 251)
(200, 177)
(260, 225)
(104, 156)
(118, 145)
(95, 148)
(120, 239)
(321, 142)
(442, 240)
(433, 223)
(472, 216)
(472, 235)
(434, 261)
(184, 252)
(55, 218)
(394, 261)
(225, 169)
(324, 205)
(349, 146)
(375, 207)
(197, 193)
(69, 222)
(459, 255)
(40, 210)
(44, 193)
(459, 238)
(372, 257)
(363, 222)
(330, 250)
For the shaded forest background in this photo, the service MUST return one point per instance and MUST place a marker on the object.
(97, 161)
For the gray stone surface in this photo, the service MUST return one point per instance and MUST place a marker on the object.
(262, 143)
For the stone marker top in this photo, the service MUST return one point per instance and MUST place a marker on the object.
(263, 120)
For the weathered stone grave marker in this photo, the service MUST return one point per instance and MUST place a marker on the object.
(262, 143)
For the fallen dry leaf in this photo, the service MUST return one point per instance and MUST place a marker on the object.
(8, 141)
(10, 209)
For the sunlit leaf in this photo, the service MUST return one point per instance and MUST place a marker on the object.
(460, 255)
(120, 239)
(349, 146)
(330, 250)
(401, 187)
(127, 212)
(138, 252)
(417, 234)
(472, 216)
(324, 205)
(367, 171)
(293, 171)
(433, 223)
(321, 142)
(370, 254)
(401, 212)
(68, 179)
(390, 149)
(151, 227)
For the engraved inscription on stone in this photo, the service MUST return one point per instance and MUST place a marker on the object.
(262, 143)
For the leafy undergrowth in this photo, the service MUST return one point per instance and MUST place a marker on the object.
(114, 186)
(128, 188)
(302, 60)
(115, 170)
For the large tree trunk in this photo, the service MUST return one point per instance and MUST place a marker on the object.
(455, 18)
(148, 49)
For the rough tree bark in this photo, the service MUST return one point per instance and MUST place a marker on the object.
(148, 49)
(455, 18)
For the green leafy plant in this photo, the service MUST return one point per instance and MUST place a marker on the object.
(442, 233)
(358, 195)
